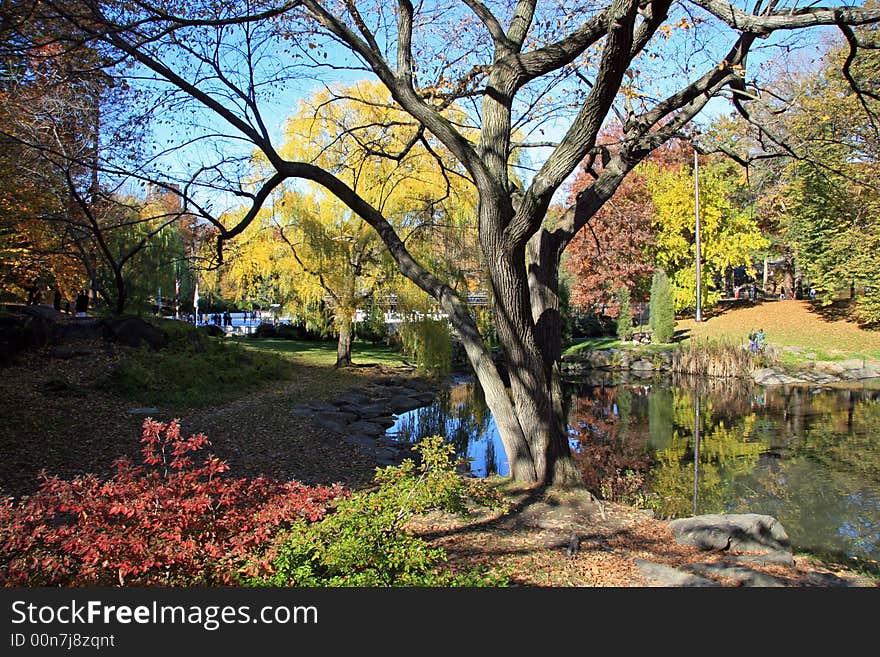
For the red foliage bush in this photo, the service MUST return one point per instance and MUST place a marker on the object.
(169, 522)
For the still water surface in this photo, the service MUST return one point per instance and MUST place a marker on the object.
(807, 456)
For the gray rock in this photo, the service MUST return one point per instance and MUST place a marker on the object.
(76, 328)
(744, 532)
(371, 411)
(352, 399)
(364, 443)
(133, 331)
(827, 579)
(861, 373)
(149, 410)
(341, 417)
(368, 428)
(742, 575)
(834, 368)
(818, 377)
(330, 424)
(668, 576)
(769, 376)
(384, 421)
(783, 558)
(42, 311)
(402, 404)
(642, 365)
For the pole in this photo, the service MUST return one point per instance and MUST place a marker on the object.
(699, 316)
(696, 450)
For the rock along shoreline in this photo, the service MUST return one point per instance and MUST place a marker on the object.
(817, 372)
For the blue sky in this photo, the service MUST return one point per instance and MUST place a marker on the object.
(681, 57)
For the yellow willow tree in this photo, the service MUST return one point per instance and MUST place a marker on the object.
(331, 254)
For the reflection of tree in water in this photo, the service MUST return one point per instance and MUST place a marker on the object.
(609, 453)
(809, 457)
(459, 414)
(725, 454)
(829, 486)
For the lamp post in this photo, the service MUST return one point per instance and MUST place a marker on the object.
(699, 316)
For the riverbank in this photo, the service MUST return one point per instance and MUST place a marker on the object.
(641, 362)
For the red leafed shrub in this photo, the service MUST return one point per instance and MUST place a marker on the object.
(174, 521)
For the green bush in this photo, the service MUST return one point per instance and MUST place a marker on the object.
(624, 316)
(192, 370)
(364, 541)
(662, 308)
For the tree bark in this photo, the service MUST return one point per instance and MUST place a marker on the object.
(343, 345)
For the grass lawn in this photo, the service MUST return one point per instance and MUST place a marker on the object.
(789, 323)
(608, 342)
(324, 353)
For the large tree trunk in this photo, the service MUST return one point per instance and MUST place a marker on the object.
(543, 257)
(516, 445)
(526, 305)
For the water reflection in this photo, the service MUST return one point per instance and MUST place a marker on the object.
(810, 457)
(461, 415)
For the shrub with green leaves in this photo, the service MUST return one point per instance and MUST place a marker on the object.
(662, 308)
(624, 315)
(192, 370)
(365, 542)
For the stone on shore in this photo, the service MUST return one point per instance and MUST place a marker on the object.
(744, 532)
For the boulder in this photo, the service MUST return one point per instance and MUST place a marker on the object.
(402, 404)
(76, 328)
(741, 575)
(366, 428)
(44, 312)
(770, 376)
(743, 532)
(134, 332)
(22, 331)
(664, 575)
(858, 370)
(600, 358)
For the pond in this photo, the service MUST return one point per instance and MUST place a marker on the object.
(807, 456)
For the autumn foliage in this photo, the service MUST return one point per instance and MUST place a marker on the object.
(611, 251)
(176, 520)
